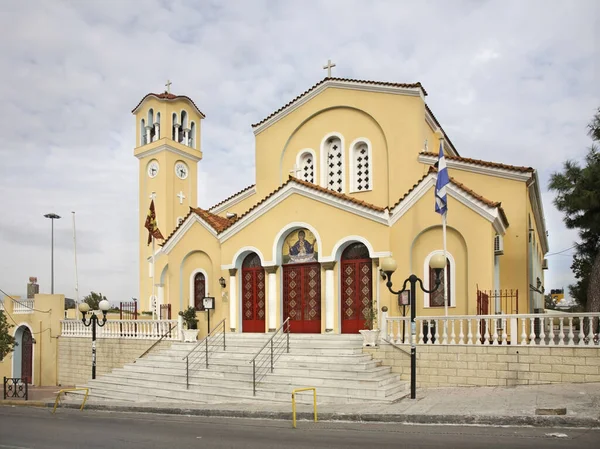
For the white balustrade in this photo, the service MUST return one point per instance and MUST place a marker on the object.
(126, 329)
(22, 306)
(574, 329)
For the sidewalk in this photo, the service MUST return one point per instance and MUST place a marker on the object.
(521, 405)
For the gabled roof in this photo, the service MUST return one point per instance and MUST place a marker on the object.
(429, 178)
(229, 198)
(170, 97)
(482, 163)
(341, 80)
(220, 224)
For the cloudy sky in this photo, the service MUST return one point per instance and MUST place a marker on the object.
(510, 81)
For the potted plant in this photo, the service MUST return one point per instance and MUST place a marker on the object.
(190, 333)
(371, 332)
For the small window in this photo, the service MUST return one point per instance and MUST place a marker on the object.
(307, 167)
(335, 165)
(143, 139)
(436, 298)
(199, 291)
(362, 173)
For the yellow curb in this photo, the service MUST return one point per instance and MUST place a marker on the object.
(24, 403)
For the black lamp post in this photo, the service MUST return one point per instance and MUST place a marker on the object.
(94, 321)
(388, 266)
(52, 217)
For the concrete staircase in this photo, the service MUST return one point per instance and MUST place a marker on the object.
(334, 364)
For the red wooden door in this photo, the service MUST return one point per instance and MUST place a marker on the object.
(26, 356)
(302, 297)
(357, 288)
(253, 295)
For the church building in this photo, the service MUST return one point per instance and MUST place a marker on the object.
(345, 176)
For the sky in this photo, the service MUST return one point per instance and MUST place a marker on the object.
(510, 81)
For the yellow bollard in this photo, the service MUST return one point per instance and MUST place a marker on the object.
(314, 390)
(87, 391)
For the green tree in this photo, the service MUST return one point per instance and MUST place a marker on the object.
(7, 341)
(578, 197)
(93, 300)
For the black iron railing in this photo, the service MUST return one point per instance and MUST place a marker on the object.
(15, 387)
(162, 337)
(200, 354)
(265, 358)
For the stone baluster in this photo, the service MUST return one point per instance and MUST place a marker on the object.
(532, 331)
(452, 333)
(444, 330)
(571, 341)
(469, 332)
(551, 332)
(478, 333)
(581, 334)
(504, 331)
(495, 335)
(461, 334)
(561, 334)
(486, 334)
(429, 332)
(438, 334)
(590, 330)
(421, 336)
(542, 332)
(385, 326)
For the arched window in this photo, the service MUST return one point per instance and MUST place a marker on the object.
(174, 127)
(199, 290)
(184, 126)
(306, 167)
(436, 298)
(361, 173)
(151, 126)
(334, 164)
(143, 140)
(157, 127)
(192, 139)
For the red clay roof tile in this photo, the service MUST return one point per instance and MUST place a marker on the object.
(169, 96)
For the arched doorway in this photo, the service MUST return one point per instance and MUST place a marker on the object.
(356, 287)
(23, 355)
(302, 282)
(253, 294)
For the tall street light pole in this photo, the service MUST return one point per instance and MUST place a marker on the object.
(94, 321)
(388, 266)
(52, 217)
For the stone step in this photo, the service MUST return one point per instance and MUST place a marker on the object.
(203, 392)
(312, 358)
(206, 376)
(254, 349)
(313, 372)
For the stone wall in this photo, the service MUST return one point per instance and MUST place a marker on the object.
(446, 365)
(75, 356)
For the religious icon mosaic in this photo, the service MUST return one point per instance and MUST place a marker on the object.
(300, 246)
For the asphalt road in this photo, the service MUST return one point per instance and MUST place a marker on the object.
(34, 428)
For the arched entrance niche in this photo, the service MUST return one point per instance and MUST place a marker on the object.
(23, 354)
(254, 294)
(356, 270)
(301, 281)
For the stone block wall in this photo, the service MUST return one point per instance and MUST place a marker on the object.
(446, 365)
(75, 356)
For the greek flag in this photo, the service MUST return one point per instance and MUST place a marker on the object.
(441, 201)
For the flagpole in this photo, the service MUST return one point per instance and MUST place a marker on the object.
(446, 266)
(153, 283)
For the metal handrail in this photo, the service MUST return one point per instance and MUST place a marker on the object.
(198, 356)
(273, 352)
(158, 341)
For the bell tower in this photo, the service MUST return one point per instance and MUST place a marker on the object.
(168, 149)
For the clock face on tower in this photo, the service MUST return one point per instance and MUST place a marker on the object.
(153, 169)
(181, 170)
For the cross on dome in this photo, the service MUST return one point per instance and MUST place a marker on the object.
(168, 86)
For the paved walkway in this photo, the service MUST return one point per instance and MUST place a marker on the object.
(520, 405)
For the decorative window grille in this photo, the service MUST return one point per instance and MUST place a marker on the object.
(307, 167)
(335, 165)
(362, 167)
(199, 291)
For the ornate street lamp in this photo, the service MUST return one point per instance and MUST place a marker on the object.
(94, 321)
(388, 266)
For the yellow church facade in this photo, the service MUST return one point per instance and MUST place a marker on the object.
(344, 177)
